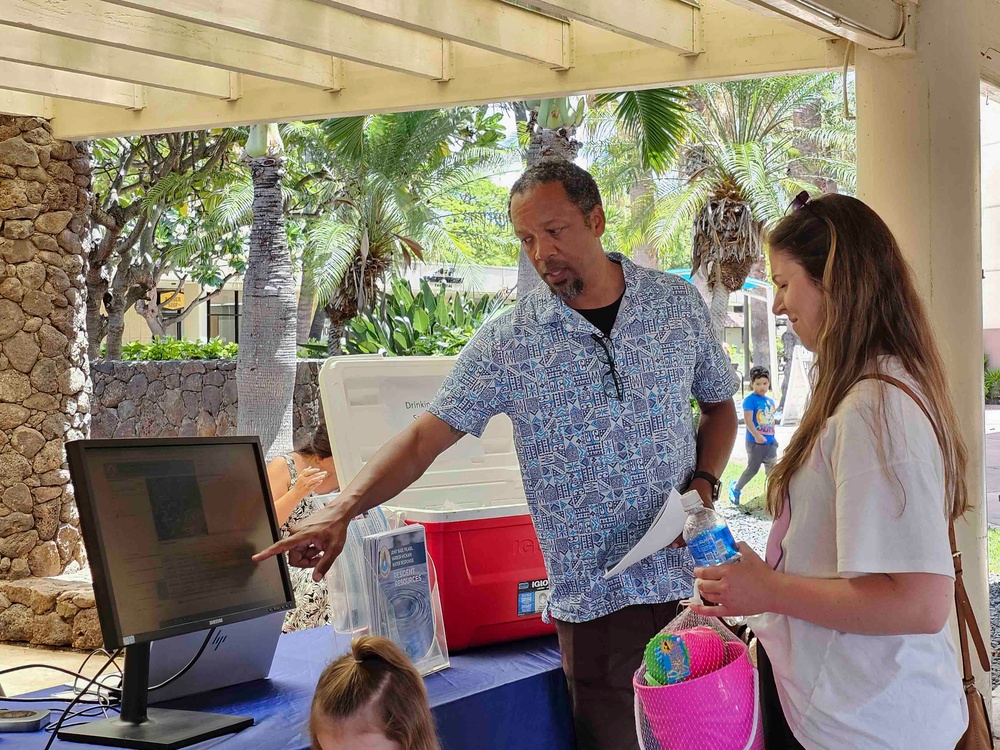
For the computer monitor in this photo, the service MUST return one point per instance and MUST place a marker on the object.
(170, 526)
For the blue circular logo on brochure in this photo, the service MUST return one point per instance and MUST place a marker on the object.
(384, 562)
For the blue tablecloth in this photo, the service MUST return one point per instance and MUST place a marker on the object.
(507, 696)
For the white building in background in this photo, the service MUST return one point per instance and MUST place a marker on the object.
(216, 318)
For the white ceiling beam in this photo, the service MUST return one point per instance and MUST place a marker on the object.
(36, 48)
(738, 43)
(674, 24)
(486, 24)
(101, 23)
(24, 105)
(873, 24)
(59, 84)
(315, 27)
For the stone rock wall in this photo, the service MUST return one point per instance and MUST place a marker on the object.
(49, 612)
(44, 215)
(199, 397)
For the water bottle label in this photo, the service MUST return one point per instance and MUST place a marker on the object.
(713, 547)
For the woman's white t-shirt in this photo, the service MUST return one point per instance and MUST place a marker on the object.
(849, 517)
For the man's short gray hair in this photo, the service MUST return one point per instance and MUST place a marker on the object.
(578, 183)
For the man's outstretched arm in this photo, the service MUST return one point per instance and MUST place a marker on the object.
(319, 539)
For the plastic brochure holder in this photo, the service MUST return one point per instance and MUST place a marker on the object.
(414, 623)
(348, 593)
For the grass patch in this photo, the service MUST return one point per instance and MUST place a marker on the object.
(993, 550)
(752, 500)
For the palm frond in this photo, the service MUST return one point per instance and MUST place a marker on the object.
(347, 136)
(677, 207)
(236, 206)
(171, 188)
(329, 251)
(655, 118)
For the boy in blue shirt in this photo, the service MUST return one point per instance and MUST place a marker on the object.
(762, 446)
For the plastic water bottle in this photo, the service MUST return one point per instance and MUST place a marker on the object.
(707, 534)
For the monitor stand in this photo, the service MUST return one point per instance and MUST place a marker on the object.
(145, 728)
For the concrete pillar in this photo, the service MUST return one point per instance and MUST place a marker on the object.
(918, 166)
(44, 381)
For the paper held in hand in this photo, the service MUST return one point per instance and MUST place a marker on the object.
(666, 527)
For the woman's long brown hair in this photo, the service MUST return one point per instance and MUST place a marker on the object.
(376, 676)
(870, 309)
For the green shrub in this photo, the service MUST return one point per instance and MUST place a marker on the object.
(425, 323)
(991, 379)
(991, 382)
(160, 349)
(167, 348)
(313, 349)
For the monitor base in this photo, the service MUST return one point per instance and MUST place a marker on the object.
(165, 729)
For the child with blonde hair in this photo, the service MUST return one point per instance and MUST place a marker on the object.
(371, 698)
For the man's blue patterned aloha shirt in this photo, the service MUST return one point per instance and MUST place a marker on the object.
(597, 470)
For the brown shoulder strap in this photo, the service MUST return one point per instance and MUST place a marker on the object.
(967, 624)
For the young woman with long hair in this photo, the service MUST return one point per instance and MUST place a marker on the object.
(853, 600)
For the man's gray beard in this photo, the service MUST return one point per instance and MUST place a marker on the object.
(568, 291)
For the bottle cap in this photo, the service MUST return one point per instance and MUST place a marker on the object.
(691, 501)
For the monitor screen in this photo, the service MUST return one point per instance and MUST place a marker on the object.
(170, 526)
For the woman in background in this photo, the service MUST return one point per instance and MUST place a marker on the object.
(295, 478)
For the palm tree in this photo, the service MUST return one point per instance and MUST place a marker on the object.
(740, 170)
(266, 365)
(390, 176)
(654, 118)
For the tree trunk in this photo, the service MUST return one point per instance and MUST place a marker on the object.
(97, 287)
(788, 342)
(318, 324)
(527, 276)
(718, 309)
(157, 328)
(338, 312)
(96, 324)
(335, 334)
(150, 310)
(546, 143)
(645, 255)
(116, 332)
(266, 365)
(555, 144)
(761, 350)
(716, 297)
(128, 286)
(304, 311)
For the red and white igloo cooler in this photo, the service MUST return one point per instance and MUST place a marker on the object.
(480, 537)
